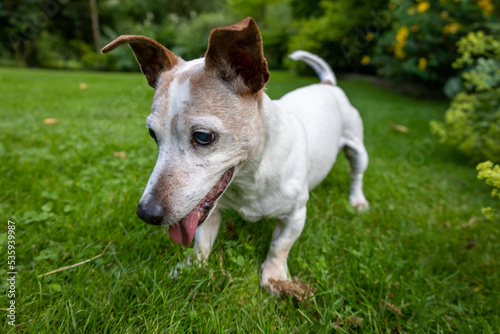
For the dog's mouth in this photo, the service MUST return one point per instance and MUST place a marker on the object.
(183, 231)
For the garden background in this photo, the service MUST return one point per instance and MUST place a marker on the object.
(425, 76)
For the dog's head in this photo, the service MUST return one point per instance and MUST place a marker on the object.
(205, 119)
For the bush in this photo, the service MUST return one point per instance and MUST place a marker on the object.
(472, 123)
(344, 40)
(491, 174)
(192, 34)
(53, 52)
(422, 43)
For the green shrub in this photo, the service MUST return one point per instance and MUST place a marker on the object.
(52, 51)
(344, 35)
(192, 35)
(421, 46)
(491, 174)
(472, 123)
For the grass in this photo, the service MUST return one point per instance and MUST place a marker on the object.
(421, 260)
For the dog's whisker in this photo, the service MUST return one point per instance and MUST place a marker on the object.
(256, 161)
(252, 162)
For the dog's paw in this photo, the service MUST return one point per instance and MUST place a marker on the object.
(359, 203)
(272, 272)
(361, 206)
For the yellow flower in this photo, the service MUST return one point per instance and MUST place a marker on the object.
(365, 60)
(399, 51)
(401, 38)
(369, 36)
(486, 6)
(423, 7)
(422, 64)
(444, 14)
(411, 11)
(451, 28)
(402, 35)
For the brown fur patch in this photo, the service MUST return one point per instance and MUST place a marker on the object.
(237, 50)
(152, 57)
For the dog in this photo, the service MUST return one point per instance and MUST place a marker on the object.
(223, 143)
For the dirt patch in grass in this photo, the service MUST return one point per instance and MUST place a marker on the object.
(297, 289)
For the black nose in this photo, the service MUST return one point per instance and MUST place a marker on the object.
(151, 212)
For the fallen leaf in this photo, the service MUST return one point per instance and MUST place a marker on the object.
(122, 155)
(392, 307)
(231, 230)
(351, 322)
(471, 244)
(399, 128)
(50, 121)
(83, 86)
(470, 223)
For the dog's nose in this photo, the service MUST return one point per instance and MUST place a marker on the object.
(150, 212)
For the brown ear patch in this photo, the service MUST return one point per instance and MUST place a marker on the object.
(153, 57)
(237, 50)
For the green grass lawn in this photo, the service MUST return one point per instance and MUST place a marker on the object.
(421, 260)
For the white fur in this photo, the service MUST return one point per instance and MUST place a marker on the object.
(304, 130)
(319, 65)
(178, 94)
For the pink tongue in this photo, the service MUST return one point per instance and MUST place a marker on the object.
(183, 232)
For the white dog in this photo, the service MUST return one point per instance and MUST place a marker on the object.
(224, 144)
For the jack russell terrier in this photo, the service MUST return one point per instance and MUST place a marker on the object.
(223, 143)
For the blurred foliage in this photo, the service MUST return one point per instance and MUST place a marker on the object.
(491, 174)
(58, 33)
(192, 34)
(342, 39)
(405, 40)
(421, 46)
(472, 123)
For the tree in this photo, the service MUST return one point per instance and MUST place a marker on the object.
(95, 25)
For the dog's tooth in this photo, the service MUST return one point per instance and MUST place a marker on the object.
(199, 215)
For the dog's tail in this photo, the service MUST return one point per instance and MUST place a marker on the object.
(320, 66)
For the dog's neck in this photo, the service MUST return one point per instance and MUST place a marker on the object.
(258, 184)
(275, 142)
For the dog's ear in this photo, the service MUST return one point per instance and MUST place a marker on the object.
(153, 57)
(236, 50)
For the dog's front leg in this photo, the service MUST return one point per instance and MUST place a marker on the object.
(284, 235)
(205, 235)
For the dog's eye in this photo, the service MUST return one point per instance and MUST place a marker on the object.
(153, 135)
(203, 137)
